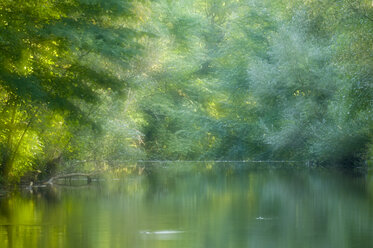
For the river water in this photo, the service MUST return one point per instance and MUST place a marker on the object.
(195, 205)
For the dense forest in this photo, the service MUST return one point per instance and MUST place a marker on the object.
(127, 80)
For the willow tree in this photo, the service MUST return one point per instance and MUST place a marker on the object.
(261, 80)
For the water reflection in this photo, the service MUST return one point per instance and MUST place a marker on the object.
(198, 205)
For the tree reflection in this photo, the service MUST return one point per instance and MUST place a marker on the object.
(202, 205)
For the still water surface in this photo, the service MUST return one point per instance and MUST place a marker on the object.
(199, 205)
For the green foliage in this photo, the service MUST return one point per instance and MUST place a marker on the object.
(57, 58)
(276, 80)
(186, 80)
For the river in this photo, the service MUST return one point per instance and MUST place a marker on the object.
(196, 205)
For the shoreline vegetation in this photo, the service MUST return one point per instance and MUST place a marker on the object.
(191, 80)
(141, 168)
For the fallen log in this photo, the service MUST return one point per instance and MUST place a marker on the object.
(87, 175)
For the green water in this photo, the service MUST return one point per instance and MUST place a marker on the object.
(196, 205)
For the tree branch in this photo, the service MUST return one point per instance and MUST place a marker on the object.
(88, 175)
